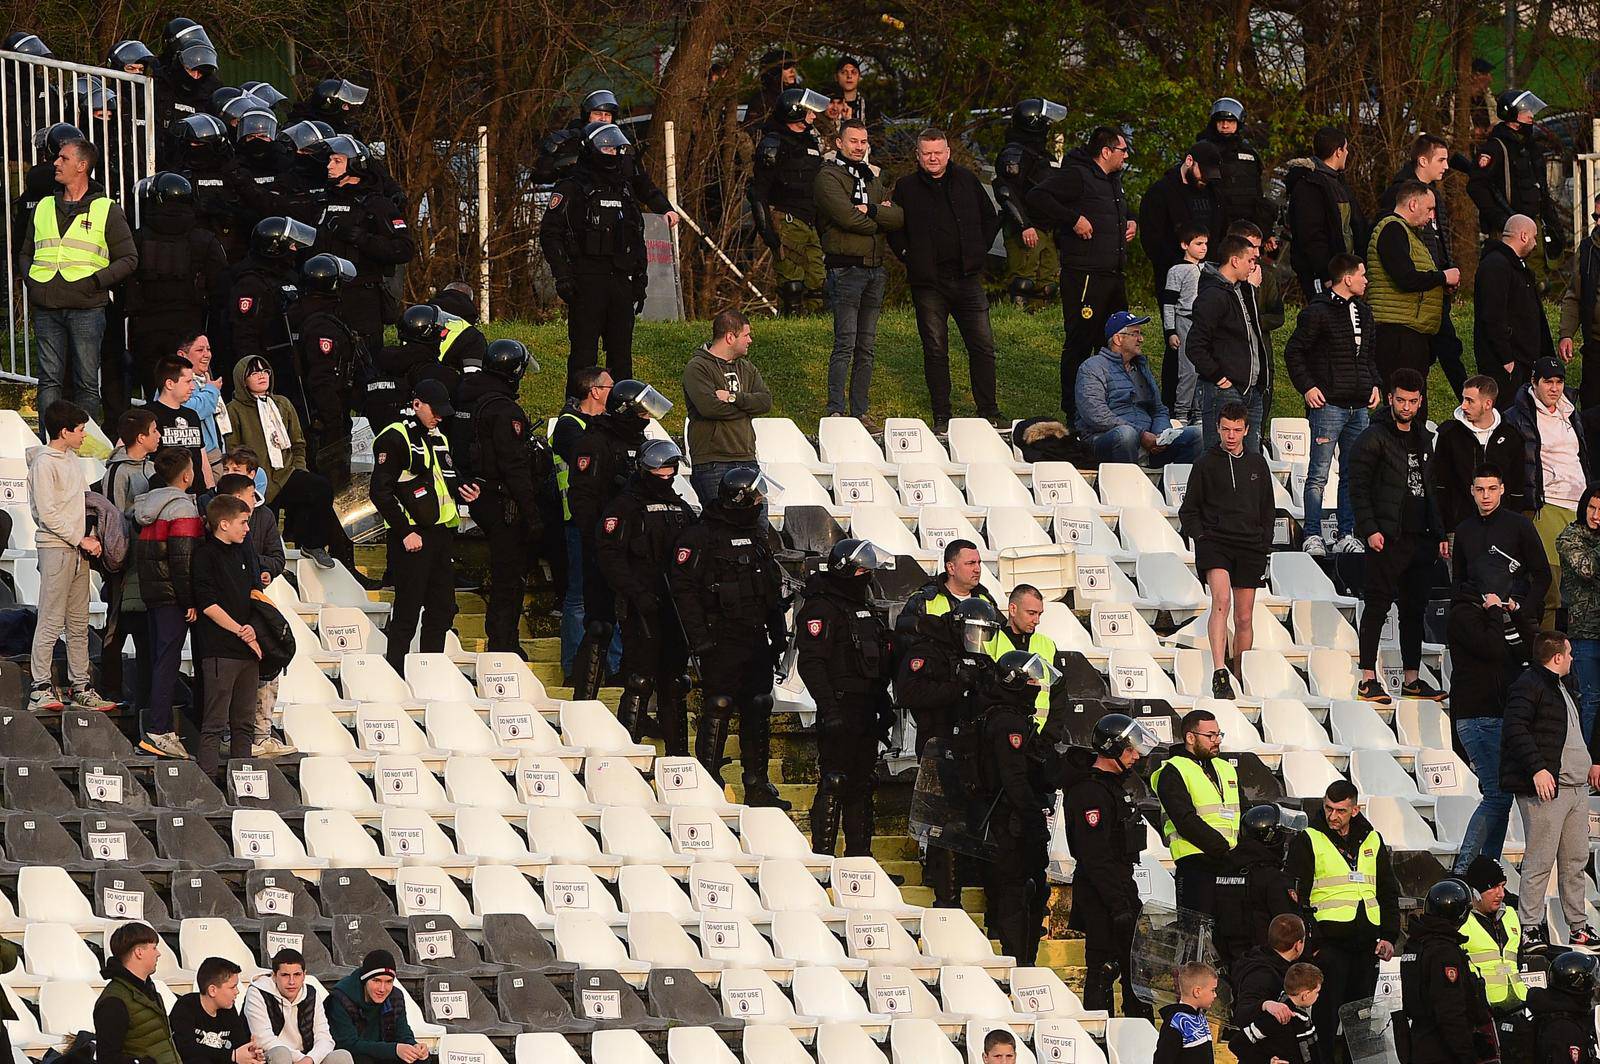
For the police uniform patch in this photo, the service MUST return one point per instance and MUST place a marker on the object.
(399, 223)
(611, 525)
(683, 554)
(245, 303)
(1484, 159)
(325, 345)
(555, 200)
(1450, 972)
(814, 627)
(516, 426)
(917, 664)
(1016, 740)
(382, 457)
(1573, 1052)
(1092, 816)
(583, 463)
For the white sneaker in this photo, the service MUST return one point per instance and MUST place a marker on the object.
(164, 744)
(1314, 546)
(1349, 545)
(271, 746)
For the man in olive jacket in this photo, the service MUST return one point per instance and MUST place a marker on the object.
(130, 1020)
(854, 213)
(725, 393)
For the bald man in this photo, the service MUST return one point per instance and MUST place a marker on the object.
(1509, 329)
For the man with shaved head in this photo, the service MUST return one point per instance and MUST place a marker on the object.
(1509, 330)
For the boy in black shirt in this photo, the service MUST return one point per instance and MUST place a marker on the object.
(206, 1028)
(180, 426)
(226, 650)
(265, 544)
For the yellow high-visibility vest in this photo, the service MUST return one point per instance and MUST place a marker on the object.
(1496, 965)
(452, 329)
(1038, 643)
(1337, 890)
(449, 515)
(563, 473)
(81, 252)
(1217, 803)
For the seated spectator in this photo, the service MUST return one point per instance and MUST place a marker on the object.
(266, 423)
(169, 528)
(246, 462)
(1579, 548)
(1267, 1038)
(206, 1028)
(1119, 409)
(287, 1019)
(130, 1019)
(367, 1017)
(206, 401)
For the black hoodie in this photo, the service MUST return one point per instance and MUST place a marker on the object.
(1185, 1036)
(1225, 336)
(1229, 501)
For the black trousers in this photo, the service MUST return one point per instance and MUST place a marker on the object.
(310, 521)
(510, 554)
(1195, 878)
(1446, 350)
(653, 649)
(1087, 300)
(1397, 347)
(1017, 889)
(1402, 571)
(964, 299)
(1107, 945)
(847, 760)
(599, 601)
(601, 311)
(424, 586)
(1349, 973)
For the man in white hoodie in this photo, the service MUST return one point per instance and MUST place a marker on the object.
(1477, 435)
(287, 1016)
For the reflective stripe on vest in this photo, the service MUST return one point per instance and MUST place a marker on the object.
(563, 474)
(1496, 966)
(449, 516)
(1217, 803)
(1040, 644)
(452, 330)
(1337, 890)
(81, 252)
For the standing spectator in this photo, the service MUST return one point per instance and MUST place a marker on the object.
(1557, 466)
(1476, 435)
(287, 1016)
(592, 387)
(169, 530)
(130, 1018)
(65, 544)
(724, 391)
(1085, 204)
(69, 278)
(1228, 514)
(1580, 309)
(847, 76)
(1429, 163)
(181, 426)
(206, 1027)
(950, 224)
(1185, 1033)
(854, 218)
(128, 476)
(1408, 292)
(268, 561)
(1119, 408)
(1510, 332)
(1323, 218)
(1177, 315)
(206, 399)
(1256, 978)
(1578, 547)
(1181, 201)
(1548, 765)
(226, 650)
(367, 1017)
(1389, 497)
(1329, 358)
(1269, 1038)
(1230, 354)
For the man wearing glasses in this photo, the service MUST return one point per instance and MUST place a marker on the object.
(1199, 794)
(1119, 409)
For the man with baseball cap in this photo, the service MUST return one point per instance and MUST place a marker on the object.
(1119, 409)
(368, 1019)
(1558, 465)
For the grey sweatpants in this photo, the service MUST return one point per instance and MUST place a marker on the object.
(1558, 832)
(63, 609)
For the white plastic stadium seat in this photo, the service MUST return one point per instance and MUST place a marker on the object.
(798, 488)
(844, 439)
(938, 525)
(855, 482)
(1401, 825)
(545, 1047)
(1166, 580)
(683, 781)
(1064, 1039)
(697, 1045)
(1041, 992)
(1059, 484)
(734, 941)
(996, 484)
(926, 484)
(335, 587)
(1082, 528)
(1127, 486)
(333, 783)
(435, 677)
(412, 836)
(386, 728)
(632, 834)
(484, 835)
(1307, 773)
(503, 889)
(472, 779)
(787, 885)
(1443, 772)
(1357, 725)
(1145, 529)
(969, 992)
(824, 993)
(909, 439)
(1296, 575)
(861, 883)
(1375, 772)
(425, 891)
(917, 1041)
(779, 440)
(974, 440)
(978, 1030)
(263, 837)
(1321, 624)
(658, 940)
(1118, 625)
(1288, 723)
(1130, 1040)
(575, 888)
(648, 888)
(773, 1041)
(202, 937)
(751, 995)
(402, 781)
(560, 834)
(802, 937)
(1267, 674)
(950, 937)
(314, 730)
(587, 939)
(543, 780)
(594, 728)
(334, 838)
(850, 1042)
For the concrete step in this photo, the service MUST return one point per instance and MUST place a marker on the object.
(894, 848)
(910, 871)
(972, 898)
(797, 795)
(543, 648)
(735, 770)
(469, 626)
(1060, 953)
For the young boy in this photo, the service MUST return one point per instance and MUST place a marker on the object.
(226, 651)
(1185, 1036)
(1000, 1047)
(1285, 1033)
(245, 461)
(169, 530)
(65, 543)
(180, 426)
(206, 1026)
(267, 557)
(128, 476)
(1177, 312)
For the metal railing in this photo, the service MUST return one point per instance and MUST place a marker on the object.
(116, 112)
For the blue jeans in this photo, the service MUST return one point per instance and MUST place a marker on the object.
(1586, 664)
(857, 296)
(1486, 831)
(1332, 426)
(1121, 444)
(705, 478)
(1212, 400)
(572, 609)
(69, 340)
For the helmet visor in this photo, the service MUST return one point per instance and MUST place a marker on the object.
(1052, 111)
(976, 633)
(198, 57)
(869, 556)
(812, 100)
(1228, 107)
(600, 100)
(346, 145)
(258, 124)
(302, 135)
(653, 403)
(1528, 101)
(1039, 672)
(264, 92)
(351, 93)
(609, 137)
(1141, 738)
(347, 269)
(300, 232)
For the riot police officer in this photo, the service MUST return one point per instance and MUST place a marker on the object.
(302, 185)
(425, 332)
(1025, 161)
(1020, 775)
(1238, 192)
(602, 461)
(1446, 1019)
(131, 57)
(1509, 177)
(185, 81)
(262, 160)
(334, 101)
(729, 593)
(1106, 833)
(1253, 888)
(593, 239)
(220, 188)
(415, 490)
(363, 225)
(264, 285)
(638, 538)
(782, 201)
(1563, 1012)
(843, 659)
(1199, 793)
(509, 460)
(560, 148)
(331, 356)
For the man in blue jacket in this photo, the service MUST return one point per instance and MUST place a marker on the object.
(1119, 409)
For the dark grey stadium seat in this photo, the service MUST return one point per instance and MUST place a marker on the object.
(107, 785)
(294, 933)
(255, 783)
(456, 1002)
(810, 529)
(34, 838)
(355, 892)
(191, 841)
(1073, 721)
(183, 785)
(678, 995)
(603, 996)
(99, 831)
(125, 894)
(274, 893)
(1079, 677)
(529, 998)
(512, 940)
(436, 942)
(88, 734)
(200, 892)
(355, 936)
(1257, 782)
(34, 787)
(24, 735)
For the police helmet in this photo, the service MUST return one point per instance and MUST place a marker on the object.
(167, 189)
(1449, 899)
(850, 555)
(638, 399)
(1227, 107)
(223, 96)
(1035, 115)
(1264, 823)
(128, 53)
(50, 140)
(265, 92)
(277, 237)
(326, 273)
(181, 31)
(332, 91)
(741, 488)
(421, 323)
(655, 454)
(510, 359)
(794, 103)
(357, 156)
(26, 43)
(92, 93)
(303, 136)
(241, 105)
(199, 55)
(599, 100)
(606, 146)
(976, 621)
(1019, 671)
(200, 130)
(323, 128)
(1511, 103)
(1116, 732)
(256, 124)
(1573, 972)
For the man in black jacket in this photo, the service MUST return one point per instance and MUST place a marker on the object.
(1429, 163)
(1323, 218)
(1389, 496)
(1256, 978)
(1329, 358)
(1230, 353)
(1182, 197)
(1580, 308)
(1085, 204)
(1509, 329)
(1496, 553)
(1546, 762)
(949, 225)
(1476, 435)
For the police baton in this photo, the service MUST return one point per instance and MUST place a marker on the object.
(765, 303)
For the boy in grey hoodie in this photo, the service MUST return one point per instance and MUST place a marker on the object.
(65, 545)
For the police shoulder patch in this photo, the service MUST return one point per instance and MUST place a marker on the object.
(917, 664)
(382, 457)
(1484, 159)
(1016, 740)
(1092, 817)
(325, 344)
(555, 200)
(245, 303)
(814, 627)
(516, 426)
(583, 463)
(399, 223)
(1575, 1053)
(683, 555)
(1451, 972)
(611, 525)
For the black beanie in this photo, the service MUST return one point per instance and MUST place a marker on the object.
(378, 962)
(1484, 873)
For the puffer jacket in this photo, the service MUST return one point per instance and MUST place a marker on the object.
(1578, 547)
(1325, 351)
(170, 527)
(1534, 729)
(1378, 479)
(1525, 419)
(1319, 201)
(1080, 189)
(1219, 344)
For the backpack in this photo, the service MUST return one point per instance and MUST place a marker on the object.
(111, 526)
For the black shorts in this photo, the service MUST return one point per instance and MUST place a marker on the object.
(1245, 567)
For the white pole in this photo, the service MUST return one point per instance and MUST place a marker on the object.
(670, 142)
(483, 222)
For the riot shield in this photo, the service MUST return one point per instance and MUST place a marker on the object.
(1368, 1026)
(1165, 939)
(943, 814)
